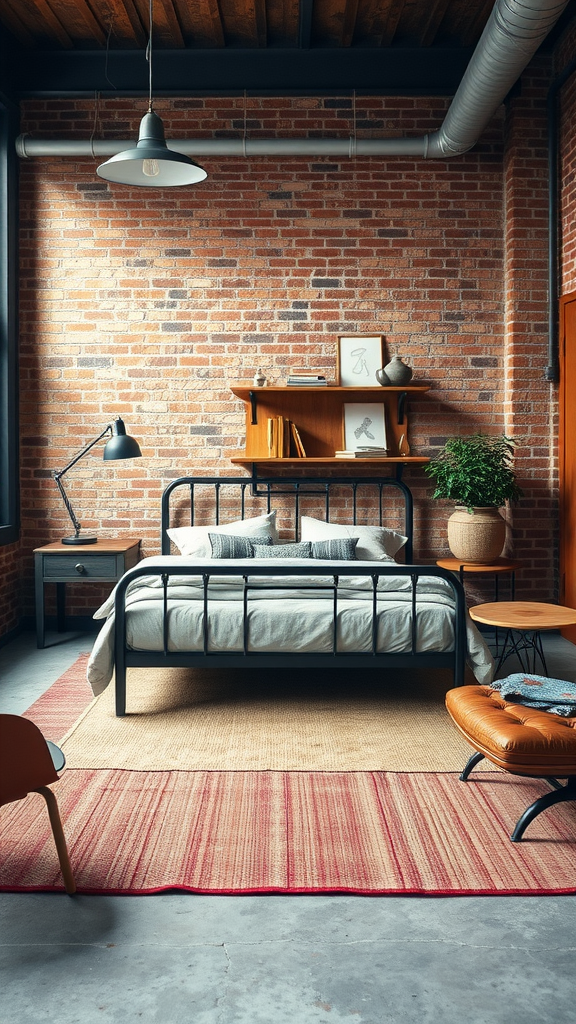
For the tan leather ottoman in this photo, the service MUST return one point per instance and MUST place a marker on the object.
(520, 739)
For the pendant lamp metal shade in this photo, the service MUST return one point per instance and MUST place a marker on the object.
(151, 164)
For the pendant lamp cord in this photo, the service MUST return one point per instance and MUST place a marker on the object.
(149, 56)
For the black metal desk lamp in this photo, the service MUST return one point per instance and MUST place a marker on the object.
(119, 446)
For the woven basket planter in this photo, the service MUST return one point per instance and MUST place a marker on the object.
(476, 536)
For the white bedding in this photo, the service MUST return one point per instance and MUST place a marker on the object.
(299, 619)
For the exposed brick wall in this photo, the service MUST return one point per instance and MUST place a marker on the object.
(531, 405)
(567, 104)
(10, 588)
(149, 303)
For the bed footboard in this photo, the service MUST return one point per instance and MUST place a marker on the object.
(252, 584)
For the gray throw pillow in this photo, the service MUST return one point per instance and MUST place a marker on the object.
(226, 545)
(301, 550)
(337, 549)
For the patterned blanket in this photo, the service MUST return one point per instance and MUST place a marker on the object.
(555, 695)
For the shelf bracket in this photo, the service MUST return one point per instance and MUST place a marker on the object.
(401, 404)
(254, 407)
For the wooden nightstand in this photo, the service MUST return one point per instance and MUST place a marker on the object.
(103, 562)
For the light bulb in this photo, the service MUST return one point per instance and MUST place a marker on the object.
(151, 168)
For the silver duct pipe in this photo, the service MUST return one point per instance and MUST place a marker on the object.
(513, 33)
(28, 147)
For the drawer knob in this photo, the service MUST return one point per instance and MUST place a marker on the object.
(79, 568)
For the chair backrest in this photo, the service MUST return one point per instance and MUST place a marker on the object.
(25, 760)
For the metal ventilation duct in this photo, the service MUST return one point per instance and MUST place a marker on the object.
(513, 33)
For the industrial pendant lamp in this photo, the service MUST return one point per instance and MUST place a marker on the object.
(151, 163)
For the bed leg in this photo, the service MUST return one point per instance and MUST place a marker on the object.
(120, 691)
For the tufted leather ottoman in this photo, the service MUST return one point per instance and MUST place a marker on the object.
(520, 739)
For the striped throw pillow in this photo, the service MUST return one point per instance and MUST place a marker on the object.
(226, 545)
(337, 549)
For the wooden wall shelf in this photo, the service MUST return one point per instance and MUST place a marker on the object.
(244, 460)
(318, 414)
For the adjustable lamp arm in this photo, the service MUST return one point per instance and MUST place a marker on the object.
(83, 452)
(66, 500)
(58, 476)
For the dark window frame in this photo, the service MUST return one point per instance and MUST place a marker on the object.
(9, 462)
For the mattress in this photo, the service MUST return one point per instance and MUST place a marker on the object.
(286, 614)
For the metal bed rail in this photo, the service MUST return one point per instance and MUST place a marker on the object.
(297, 491)
(125, 657)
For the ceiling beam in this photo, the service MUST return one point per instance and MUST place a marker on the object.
(305, 24)
(397, 71)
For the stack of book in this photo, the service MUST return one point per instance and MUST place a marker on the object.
(306, 379)
(284, 439)
(363, 453)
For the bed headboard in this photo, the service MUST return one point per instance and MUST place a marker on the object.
(371, 501)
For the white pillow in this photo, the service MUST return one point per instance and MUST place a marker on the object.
(194, 540)
(375, 543)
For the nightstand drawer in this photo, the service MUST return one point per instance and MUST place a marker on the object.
(80, 566)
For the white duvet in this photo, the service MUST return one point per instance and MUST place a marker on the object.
(290, 615)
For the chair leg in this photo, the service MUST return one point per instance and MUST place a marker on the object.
(556, 796)
(470, 764)
(59, 839)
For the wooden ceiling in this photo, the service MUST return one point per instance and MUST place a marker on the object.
(218, 45)
(253, 24)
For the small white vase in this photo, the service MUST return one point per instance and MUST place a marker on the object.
(478, 536)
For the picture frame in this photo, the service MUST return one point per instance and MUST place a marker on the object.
(364, 425)
(357, 359)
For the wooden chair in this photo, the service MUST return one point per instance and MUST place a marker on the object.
(28, 763)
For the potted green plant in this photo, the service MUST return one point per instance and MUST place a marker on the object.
(476, 473)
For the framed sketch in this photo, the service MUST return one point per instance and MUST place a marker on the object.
(357, 359)
(364, 426)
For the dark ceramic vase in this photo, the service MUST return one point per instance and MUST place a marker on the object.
(397, 371)
(382, 377)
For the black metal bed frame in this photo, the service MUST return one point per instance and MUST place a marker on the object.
(297, 491)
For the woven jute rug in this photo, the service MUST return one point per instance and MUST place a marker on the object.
(298, 830)
(240, 720)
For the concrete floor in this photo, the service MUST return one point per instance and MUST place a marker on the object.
(187, 959)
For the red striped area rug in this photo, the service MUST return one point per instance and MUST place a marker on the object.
(422, 833)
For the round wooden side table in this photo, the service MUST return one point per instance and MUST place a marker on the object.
(523, 622)
(497, 568)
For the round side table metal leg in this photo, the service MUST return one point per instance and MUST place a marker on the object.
(527, 646)
(507, 650)
(520, 645)
(539, 650)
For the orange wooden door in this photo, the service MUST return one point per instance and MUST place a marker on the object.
(567, 454)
